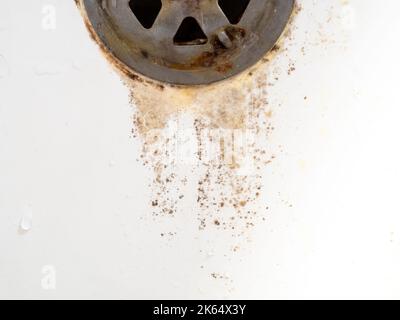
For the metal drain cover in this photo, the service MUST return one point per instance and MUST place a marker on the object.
(188, 42)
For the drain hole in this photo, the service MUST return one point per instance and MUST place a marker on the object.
(146, 11)
(234, 9)
(190, 33)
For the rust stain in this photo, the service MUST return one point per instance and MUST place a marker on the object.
(237, 105)
(219, 58)
(225, 200)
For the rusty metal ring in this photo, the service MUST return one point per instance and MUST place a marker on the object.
(188, 42)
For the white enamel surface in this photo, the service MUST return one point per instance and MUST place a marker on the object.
(333, 229)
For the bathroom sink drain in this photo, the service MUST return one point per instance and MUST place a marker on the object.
(188, 42)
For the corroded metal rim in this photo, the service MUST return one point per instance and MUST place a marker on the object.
(225, 48)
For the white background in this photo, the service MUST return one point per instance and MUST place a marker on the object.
(67, 158)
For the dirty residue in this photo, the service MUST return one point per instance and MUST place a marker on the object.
(218, 134)
(211, 141)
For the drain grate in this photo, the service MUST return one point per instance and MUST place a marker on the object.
(233, 9)
(188, 42)
(146, 11)
(190, 33)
